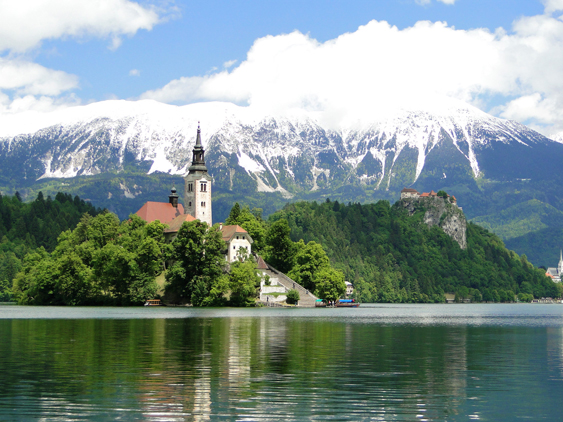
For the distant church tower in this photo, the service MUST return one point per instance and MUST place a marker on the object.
(197, 188)
(560, 266)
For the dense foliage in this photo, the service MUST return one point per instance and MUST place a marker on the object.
(99, 262)
(26, 226)
(391, 257)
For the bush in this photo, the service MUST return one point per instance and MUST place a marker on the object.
(292, 297)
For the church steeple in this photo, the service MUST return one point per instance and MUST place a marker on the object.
(560, 266)
(198, 155)
(197, 189)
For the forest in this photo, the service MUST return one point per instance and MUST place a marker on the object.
(24, 227)
(391, 257)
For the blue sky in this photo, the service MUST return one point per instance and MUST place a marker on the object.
(60, 53)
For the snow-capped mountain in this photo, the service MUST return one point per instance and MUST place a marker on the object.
(445, 143)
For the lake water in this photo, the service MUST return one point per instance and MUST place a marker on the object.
(377, 362)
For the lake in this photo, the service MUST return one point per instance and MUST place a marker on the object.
(377, 362)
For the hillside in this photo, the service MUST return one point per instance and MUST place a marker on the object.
(391, 255)
(521, 219)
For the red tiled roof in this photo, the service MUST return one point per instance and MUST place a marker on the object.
(425, 194)
(162, 211)
(432, 193)
(175, 224)
(229, 231)
(261, 264)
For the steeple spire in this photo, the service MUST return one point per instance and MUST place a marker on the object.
(198, 139)
(198, 157)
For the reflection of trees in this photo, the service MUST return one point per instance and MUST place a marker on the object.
(262, 367)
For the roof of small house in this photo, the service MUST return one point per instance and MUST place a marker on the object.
(229, 232)
(424, 195)
(409, 190)
(552, 271)
(261, 264)
(175, 224)
(162, 211)
(432, 193)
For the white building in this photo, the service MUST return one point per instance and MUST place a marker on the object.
(555, 272)
(239, 242)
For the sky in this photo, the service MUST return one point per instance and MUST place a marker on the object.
(338, 58)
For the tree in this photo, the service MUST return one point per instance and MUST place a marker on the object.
(308, 260)
(330, 284)
(234, 215)
(292, 297)
(243, 282)
(279, 246)
(198, 262)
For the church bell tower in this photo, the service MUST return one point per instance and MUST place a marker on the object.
(197, 188)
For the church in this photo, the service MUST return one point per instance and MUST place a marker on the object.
(197, 206)
(555, 272)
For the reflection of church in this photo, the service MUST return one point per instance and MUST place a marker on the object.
(555, 272)
(197, 206)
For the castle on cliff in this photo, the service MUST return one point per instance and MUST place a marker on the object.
(409, 193)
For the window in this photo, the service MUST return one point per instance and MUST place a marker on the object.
(203, 187)
(234, 247)
(202, 204)
(189, 204)
(237, 237)
(190, 187)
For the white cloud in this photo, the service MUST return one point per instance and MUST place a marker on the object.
(24, 24)
(379, 65)
(229, 63)
(553, 5)
(24, 77)
(134, 72)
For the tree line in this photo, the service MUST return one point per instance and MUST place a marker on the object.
(387, 255)
(24, 227)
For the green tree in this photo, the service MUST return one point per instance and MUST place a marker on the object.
(243, 282)
(198, 262)
(309, 259)
(279, 246)
(330, 284)
(293, 297)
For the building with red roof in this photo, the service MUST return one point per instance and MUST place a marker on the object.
(238, 241)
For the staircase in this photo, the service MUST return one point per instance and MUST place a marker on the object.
(306, 298)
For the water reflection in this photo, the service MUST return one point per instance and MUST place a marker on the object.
(269, 368)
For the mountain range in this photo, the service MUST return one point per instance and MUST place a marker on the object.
(121, 153)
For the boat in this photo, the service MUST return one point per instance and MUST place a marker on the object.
(342, 303)
(153, 302)
(347, 303)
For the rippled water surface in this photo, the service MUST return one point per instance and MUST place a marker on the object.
(379, 362)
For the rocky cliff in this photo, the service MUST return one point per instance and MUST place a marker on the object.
(442, 213)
